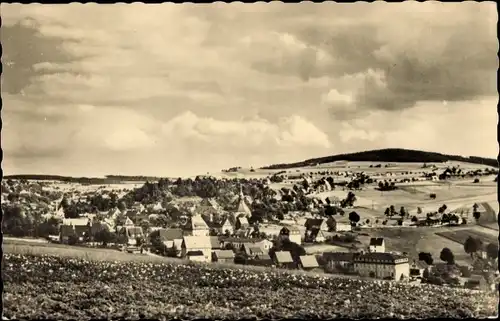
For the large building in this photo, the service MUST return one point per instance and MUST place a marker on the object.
(382, 266)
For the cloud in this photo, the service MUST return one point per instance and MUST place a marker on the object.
(254, 134)
(184, 87)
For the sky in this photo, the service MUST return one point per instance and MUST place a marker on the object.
(169, 89)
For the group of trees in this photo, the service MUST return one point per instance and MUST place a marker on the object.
(473, 245)
(386, 186)
(348, 201)
(391, 211)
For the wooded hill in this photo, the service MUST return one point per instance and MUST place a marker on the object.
(395, 155)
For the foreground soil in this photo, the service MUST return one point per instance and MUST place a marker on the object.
(55, 287)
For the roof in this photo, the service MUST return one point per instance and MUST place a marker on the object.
(170, 234)
(253, 250)
(382, 258)
(376, 241)
(243, 207)
(283, 257)
(422, 265)
(198, 223)
(339, 256)
(214, 242)
(195, 253)
(263, 257)
(240, 240)
(197, 242)
(67, 230)
(309, 261)
(224, 254)
(313, 223)
(243, 221)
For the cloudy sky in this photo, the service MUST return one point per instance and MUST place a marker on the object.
(181, 89)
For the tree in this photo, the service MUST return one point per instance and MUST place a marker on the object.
(476, 215)
(471, 245)
(387, 212)
(354, 217)
(402, 211)
(414, 219)
(400, 222)
(447, 256)
(392, 210)
(419, 210)
(492, 250)
(121, 206)
(426, 257)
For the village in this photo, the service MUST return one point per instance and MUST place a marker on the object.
(305, 230)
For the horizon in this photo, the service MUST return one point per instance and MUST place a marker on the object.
(90, 90)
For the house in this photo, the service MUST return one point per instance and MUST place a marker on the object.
(284, 259)
(65, 232)
(480, 282)
(252, 250)
(315, 236)
(175, 244)
(197, 256)
(196, 226)
(215, 243)
(261, 260)
(169, 234)
(308, 262)
(197, 243)
(382, 265)
(238, 243)
(316, 224)
(336, 260)
(241, 223)
(417, 268)
(292, 233)
(377, 245)
(343, 227)
(223, 256)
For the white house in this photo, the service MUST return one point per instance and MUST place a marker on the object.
(377, 245)
(197, 243)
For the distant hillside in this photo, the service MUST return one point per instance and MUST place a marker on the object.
(396, 155)
(109, 179)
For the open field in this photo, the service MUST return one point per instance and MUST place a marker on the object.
(415, 240)
(461, 236)
(82, 289)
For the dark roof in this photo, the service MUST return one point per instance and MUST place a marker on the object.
(253, 250)
(170, 234)
(339, 256)
(67, 230)
(223, 254)
(376, 241)
(313, 223)
(80, 229)
(215, 242)
(195, 253)
(382, 258)
(263, 257)
(240, 239)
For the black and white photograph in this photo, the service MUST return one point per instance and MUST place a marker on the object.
(249, 160)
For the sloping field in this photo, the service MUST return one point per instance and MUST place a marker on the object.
(460, 236)
(84, 289)
(415, 240)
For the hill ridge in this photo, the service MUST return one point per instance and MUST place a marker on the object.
(396, 155)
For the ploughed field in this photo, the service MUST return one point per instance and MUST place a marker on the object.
(56, 287)
(460, 236)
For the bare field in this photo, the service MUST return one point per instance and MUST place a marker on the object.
(415, 240)
(461, 236)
